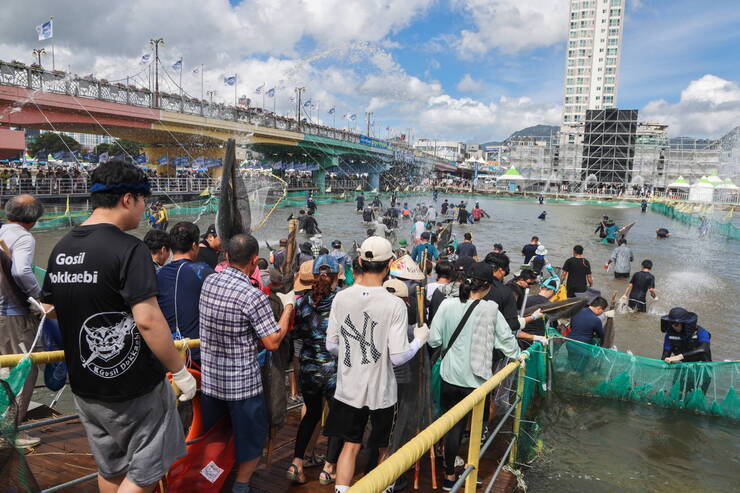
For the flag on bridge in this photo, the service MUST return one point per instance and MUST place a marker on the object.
(145, 59)
(103, 158)
(230, 81)
(292, 99)
(177, 65)
(307, 104)
(196, 70)
(45, 30)
(259, 89)
(271, 93)
(164, 159)
(332, 111)
(140, 159)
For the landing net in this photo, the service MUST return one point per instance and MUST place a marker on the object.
(706, 388)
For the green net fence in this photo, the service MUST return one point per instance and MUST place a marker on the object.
(535, 385)
(706, 388)
(726, 228)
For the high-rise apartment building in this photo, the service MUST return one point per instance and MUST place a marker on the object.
(592, 62)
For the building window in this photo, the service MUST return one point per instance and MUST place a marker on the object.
(611, 51)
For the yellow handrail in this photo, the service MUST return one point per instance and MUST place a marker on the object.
(42, 357)
(385, 473)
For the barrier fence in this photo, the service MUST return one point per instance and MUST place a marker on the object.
(727, 228)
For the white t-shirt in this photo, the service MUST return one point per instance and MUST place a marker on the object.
(420, 228)
(431, 214)
(368, 324)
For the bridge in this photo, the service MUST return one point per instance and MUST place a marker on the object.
(174, 125)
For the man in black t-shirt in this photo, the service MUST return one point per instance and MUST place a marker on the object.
(467, 248)
(210, 247)
(529, 249)
(640, 285)
(534, 331)
(577, 273)
(117, 343)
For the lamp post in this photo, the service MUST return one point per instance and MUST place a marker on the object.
(155, 43)
(37, 52)
(210, 95)
(299, 90)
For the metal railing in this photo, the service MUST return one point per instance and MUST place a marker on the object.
(390, 469)
(48, 186)
(59, 82)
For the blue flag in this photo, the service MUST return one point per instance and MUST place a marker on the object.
(103, 158)
(199, 162)
(144, 59)
(45, 30)
(271, 93)
(141, 158)
(307, 104)
(177, 65)
(230, 81)
(164, 160)
(332, 111)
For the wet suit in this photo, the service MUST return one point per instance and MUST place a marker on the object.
(601, 229)
(360, 202)
(310, 226)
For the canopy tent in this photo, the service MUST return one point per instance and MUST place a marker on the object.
(727, 185)
(512, 175)
(702, 190)
(714, 178)
(679, 183)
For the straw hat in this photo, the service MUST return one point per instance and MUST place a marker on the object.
(304, 280)
(406, 268)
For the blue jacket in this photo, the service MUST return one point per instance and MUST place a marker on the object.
(418, 252)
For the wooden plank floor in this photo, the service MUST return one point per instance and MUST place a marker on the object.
(64, 455)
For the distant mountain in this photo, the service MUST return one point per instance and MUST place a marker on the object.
(534, 131)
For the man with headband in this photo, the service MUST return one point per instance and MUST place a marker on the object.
(117, 343)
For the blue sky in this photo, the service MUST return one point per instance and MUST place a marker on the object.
(471, 70)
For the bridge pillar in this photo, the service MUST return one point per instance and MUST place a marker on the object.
(319, 180)
(374, 180)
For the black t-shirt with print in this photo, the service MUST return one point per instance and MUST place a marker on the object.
(95, 275)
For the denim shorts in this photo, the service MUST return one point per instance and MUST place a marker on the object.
(248, 422)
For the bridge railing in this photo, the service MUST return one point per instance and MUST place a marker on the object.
(49, 186)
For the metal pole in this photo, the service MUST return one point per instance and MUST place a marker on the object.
(53, 65)
(201, 81)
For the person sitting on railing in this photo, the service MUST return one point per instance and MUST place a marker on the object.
(468, 329)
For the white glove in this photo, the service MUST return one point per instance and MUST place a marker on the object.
(623, 299)
(185, 382)
(523, 359)
(422, 334)
(287, 298)
(674, 359)
(541, 339)
(537, 314)
(609, 314)
(522, 321)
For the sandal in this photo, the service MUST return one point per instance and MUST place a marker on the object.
(313, 461)
(294, 475)
(326, 478)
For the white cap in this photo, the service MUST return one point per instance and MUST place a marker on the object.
(397, 288)
(376, 249)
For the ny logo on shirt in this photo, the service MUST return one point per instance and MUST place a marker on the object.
(349, 331)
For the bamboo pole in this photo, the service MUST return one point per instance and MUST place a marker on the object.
(43, 357)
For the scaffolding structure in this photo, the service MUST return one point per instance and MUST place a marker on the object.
(609, 147)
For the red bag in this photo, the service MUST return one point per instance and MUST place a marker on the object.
(208, 463)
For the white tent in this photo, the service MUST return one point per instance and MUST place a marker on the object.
(714, 179)
(679, 183)
(512, 175)
(702, 190)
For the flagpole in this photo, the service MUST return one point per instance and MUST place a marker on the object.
(236, 83)
(274, 98)
(181, 92)
(201, 81)
(53, 65)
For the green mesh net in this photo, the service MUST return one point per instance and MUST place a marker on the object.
(706, 388)
(726, 228)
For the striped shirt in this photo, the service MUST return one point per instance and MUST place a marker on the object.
(233, 317)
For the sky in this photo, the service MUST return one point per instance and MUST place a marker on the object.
(470, 70)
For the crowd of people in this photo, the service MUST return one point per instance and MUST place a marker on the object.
(348, 318)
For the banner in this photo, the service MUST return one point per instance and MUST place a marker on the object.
(369, 141)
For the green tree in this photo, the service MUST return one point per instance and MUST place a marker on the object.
(102, 148)
(53, 142)
(121, 146)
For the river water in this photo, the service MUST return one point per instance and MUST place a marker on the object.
(595, 445)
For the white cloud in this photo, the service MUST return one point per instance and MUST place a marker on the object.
(474, 121)
(709, 106)
(511, 26)
(468, 84)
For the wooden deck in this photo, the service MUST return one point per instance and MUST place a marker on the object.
(64, 455)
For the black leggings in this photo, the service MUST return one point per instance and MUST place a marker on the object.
(451, 395)
(314, 407)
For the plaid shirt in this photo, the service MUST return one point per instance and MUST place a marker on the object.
(233, 317)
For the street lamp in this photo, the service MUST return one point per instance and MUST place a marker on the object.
(37, 52)
(155, 43)
(210, 95)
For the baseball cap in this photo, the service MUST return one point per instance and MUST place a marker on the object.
(325, 261)
(481, 271)
(304, 279)
(376, 249)
(396, 288)
(336, 244)
(210, 231)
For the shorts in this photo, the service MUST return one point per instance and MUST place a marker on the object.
(617, 275)
(348, 423)
(637, 305)
(297, 346)
(140, 438)
(248, 422)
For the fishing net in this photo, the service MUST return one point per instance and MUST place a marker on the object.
(14, 472)
(535, 385)
(726, 228)
(706, 388)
